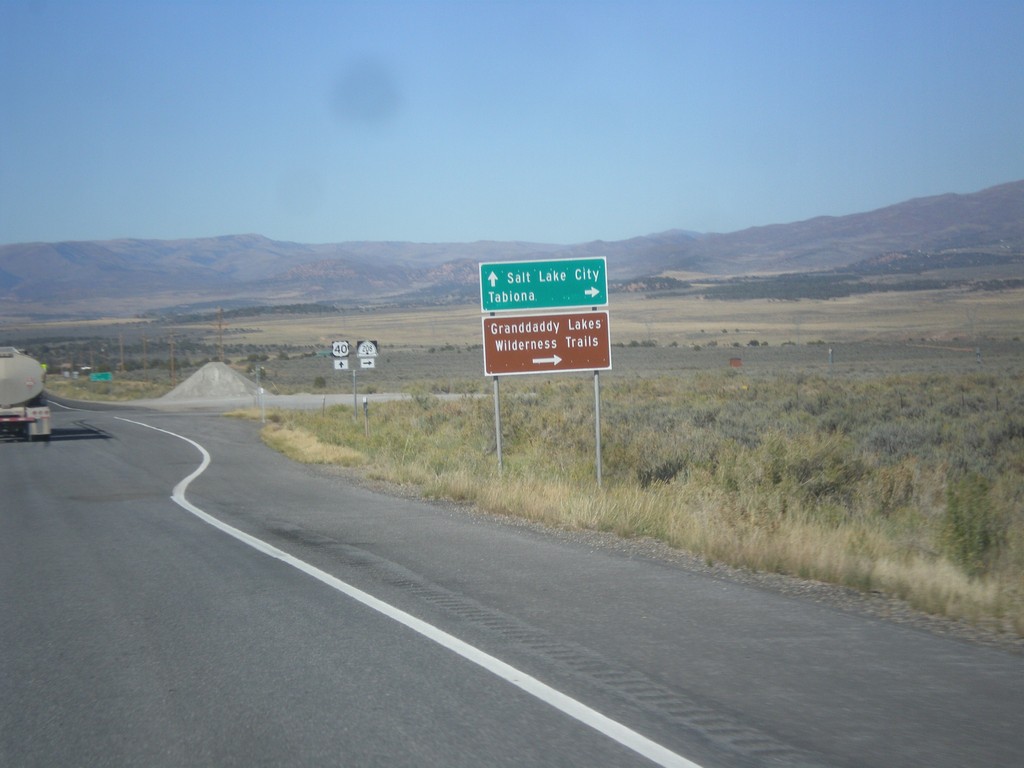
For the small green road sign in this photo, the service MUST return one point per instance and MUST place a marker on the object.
(515, 285)
(105, 376)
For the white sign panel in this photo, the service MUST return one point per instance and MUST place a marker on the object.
(367, 362)
(341, 365)
(366, 348)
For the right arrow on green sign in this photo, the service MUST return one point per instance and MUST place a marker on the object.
(517, 285)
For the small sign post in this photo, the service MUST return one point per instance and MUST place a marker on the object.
(367, 352)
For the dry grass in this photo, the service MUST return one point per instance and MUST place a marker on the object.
(679, 320)
(807, 477)
(299, 445)
(120, 389)
(881, 316)
(840, 471)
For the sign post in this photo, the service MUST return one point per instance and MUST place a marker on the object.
(545, 343)
(497, 425)
(367, 352)
(597, 424)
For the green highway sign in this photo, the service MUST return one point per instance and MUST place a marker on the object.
(515, 285)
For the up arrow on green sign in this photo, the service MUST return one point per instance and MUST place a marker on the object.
(513, 285)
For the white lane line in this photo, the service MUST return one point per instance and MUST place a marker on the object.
(67, 407)
(577, 710)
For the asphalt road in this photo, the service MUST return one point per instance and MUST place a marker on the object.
(357, 629)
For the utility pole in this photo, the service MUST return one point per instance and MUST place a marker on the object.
(173, 381)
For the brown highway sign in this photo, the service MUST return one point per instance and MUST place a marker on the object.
(550, 343)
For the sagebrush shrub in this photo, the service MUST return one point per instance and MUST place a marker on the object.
(972, 528)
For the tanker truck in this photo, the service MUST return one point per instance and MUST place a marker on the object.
(23, 409)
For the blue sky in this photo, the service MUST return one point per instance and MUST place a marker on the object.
(557, 122)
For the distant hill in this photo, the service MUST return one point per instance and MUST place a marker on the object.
(992, 218)
(118, 276)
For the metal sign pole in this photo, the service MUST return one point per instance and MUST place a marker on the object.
(259, 395)
(355, 401)
(497, 424)
(597, 423)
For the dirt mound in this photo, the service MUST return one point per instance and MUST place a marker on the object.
(213, 380)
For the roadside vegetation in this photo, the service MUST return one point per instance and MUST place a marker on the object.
(119, 389)
(911, 485)
(889, 458)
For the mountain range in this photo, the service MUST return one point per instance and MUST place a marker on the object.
(131, 275)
